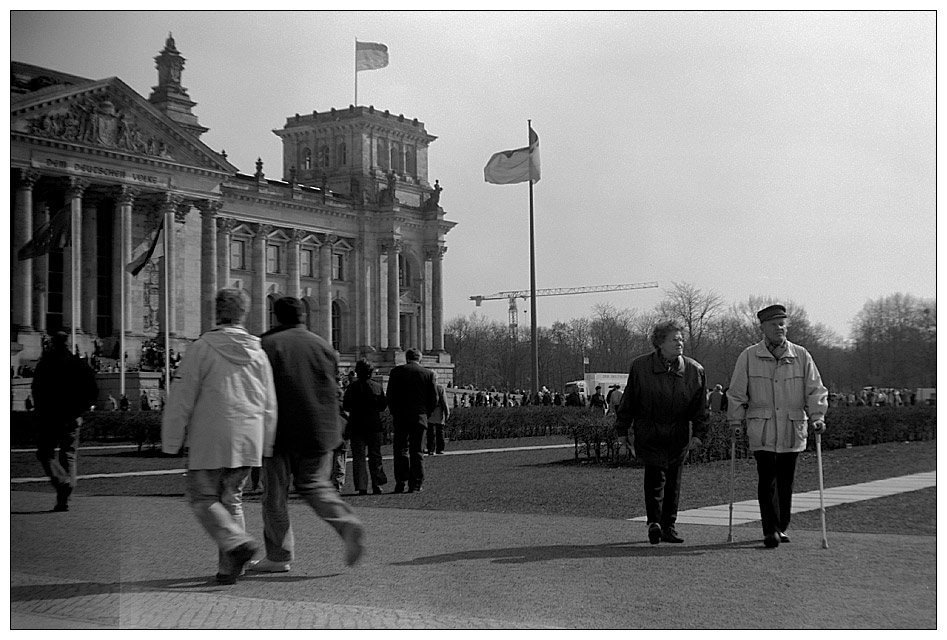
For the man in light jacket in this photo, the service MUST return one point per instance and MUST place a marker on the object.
(777, 389)
(224, 402)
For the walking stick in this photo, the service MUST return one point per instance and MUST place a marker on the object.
(733, 450)
(818, 453)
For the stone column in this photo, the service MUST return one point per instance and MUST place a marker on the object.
(224, 228)
(121, 256)
(257, 322)
(292, 262)
(166, 210)
(40, 273)
(89, 269)
(436, 256)
(208, 209)
(23, 269)
(394, 297)
(325, 287)
(72, 282)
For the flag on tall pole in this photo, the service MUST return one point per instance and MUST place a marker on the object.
(368, 56)
(154, 250)
(515, 165)
(54, 234)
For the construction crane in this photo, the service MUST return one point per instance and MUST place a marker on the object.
(560, 291)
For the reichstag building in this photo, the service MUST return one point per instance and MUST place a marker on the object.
(353, 227)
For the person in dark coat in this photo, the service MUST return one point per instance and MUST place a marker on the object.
(308, 429)
(665, 406)
(63, 389)
(364, 401)
(412, 396)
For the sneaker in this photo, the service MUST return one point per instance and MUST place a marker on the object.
(353, 543)
(771, 540)
(783, 538)
(239, 556)
(670, 535)
(268, 566)
(654, 533)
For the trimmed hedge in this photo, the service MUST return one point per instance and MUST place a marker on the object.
(594, 435)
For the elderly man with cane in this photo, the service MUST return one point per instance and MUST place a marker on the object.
(777, 389)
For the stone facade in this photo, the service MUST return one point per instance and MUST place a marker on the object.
(353, 227)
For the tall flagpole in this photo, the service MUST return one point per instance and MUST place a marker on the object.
(356, 71)
(121, 297)
(534, 347)
(74, 221)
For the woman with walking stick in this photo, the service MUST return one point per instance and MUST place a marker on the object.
(665, 406)
(777, 389)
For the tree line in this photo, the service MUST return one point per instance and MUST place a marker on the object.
(892, 344)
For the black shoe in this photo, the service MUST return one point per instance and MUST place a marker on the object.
(782, 537)
(416, 489)
(440, 453)
(399, 488)
(670, 535)
(62, 498)
(61, 506)
(376, 490)
(363, 492)
(654, 533)
(771, 540)
(238, 556)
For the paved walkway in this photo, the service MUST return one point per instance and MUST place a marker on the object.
(749, 510)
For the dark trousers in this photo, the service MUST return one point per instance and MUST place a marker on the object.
(372, 443)
(662, 491)
(64, 435)
(776, 474)
(435, 438)
(409, 458)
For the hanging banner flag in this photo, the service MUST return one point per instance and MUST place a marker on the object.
(154, 251)
(370, 55)
(516, 165)
(53, 234)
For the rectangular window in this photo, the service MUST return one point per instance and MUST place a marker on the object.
(272, 258)
(337, 273)
(305, 263)
(238, 254)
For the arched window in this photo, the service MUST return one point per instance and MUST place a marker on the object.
(336, 325)
(307, 159)
(343, 156)
(324, 157)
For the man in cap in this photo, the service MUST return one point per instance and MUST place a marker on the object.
(776, 388)
(308, 429)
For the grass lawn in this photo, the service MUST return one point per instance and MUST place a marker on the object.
(552, 482)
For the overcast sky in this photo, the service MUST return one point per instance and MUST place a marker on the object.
(777, 154)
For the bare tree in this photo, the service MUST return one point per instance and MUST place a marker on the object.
(696, 309)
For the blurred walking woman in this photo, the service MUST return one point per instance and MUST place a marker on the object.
(364, 400)
(665, 407)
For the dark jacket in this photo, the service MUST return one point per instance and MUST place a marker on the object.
(412, 393)
(364, 400)
(307, 394)
(662, 407)
(63, 386)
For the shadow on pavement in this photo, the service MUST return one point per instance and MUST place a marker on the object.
(516, 555)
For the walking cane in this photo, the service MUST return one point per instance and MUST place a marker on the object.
(733, 449)
(818, 453)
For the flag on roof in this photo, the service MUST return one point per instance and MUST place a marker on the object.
(515, 165)
(370, 55)
(153, 251)
(53, 234)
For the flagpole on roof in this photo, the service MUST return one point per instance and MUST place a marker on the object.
(356, 71)
(534, 346)
(168, 222)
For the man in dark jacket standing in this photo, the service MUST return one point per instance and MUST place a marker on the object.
(307, 431)
(63, 389)
(412, 396)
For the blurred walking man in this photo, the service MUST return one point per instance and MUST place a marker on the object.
(412, 397)
(777, 389)
(308, 431)
(223, 400)
(63, 389)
